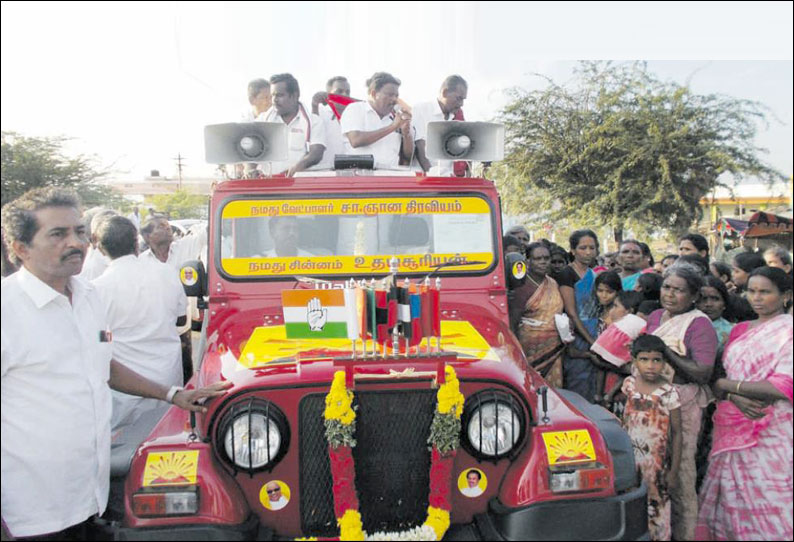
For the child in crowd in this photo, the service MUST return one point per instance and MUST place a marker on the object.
(653, 420)
(607, 287)
(647, 307)
(612, 349)
(649, 285)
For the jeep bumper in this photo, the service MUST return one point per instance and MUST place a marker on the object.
(622, 517)
(249, 530)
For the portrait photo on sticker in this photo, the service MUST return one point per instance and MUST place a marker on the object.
(274, 495)
(472, 482)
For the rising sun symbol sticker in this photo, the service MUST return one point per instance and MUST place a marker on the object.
(569, 446)
(170, 468)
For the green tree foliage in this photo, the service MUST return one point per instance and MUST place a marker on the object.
(617, 146)
(31, 162)
(181, 204)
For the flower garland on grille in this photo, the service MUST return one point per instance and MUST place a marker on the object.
(340, 428)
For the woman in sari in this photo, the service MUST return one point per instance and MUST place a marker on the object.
(577, 282)
(747, 493)
(540, 299)
(691, 350)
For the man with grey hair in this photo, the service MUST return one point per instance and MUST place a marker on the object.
(145, 302)
(260, 99)
(450, 100)
(57, 372)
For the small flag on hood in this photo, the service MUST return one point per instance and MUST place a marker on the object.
(319, 314)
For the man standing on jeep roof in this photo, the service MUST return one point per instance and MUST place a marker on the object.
(57, 372)
(306, 134)
(375, 127)
(450, 101)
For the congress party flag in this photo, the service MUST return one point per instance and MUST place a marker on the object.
(319, 314)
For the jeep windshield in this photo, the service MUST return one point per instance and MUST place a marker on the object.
(344, 236)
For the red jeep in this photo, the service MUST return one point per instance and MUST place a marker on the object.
(533, 463)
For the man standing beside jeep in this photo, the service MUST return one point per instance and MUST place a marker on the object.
(57, 372)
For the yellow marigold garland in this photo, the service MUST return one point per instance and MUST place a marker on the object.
(444, 440)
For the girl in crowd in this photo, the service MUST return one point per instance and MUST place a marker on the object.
(653, 420)
(691, 349)
(559, 259)
(747, 493)
(607, 287)
(744, 263)
(577, 285)
(539, 301)
(714, 302)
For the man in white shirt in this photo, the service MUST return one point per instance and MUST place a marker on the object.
(284, 231)
(333, 129)
(135, 218)
(472, 488)
(157, 233)
(375, 127)
(306, 133)
(55, 353)
(95, 262)
(260, 99)
(144, 301)
(275, 498)
(450, 100)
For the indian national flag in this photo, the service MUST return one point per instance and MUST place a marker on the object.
(320, 314)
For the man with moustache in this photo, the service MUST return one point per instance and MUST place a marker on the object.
(335, 142)
(306, 132)
(57, 372)
(374, 127)
(449, 102)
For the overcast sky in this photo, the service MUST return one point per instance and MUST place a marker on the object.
(134, 83)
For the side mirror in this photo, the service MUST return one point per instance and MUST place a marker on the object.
(516, 267)
(194, 278)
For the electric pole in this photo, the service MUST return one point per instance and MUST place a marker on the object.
(179, 168)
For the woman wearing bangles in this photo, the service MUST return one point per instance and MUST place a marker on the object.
(691, 350)
(747, 493)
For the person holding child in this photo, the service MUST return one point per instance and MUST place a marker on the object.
(652, 419)
(691, 350)
(747, 493)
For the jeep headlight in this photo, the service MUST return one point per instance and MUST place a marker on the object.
(254, 435)
(494, 425)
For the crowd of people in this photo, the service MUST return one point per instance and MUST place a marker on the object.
(694, 356)
(382, 125)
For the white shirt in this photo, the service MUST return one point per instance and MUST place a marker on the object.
(135, 219)
(279, 504)
(55, 405)
(361, 117)
(430, 112)
(143, 300)
(94, 264)
(472, 491)
(190, 247)
(335, 141)
(300, 135)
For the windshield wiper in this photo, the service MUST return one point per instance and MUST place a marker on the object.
(451, 264)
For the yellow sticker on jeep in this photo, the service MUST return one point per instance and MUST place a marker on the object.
(569, 446)
(170, 468)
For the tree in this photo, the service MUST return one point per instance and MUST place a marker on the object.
(617, 146)
(31, 162)
(180, 204)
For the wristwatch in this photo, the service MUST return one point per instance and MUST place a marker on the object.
(172, 392)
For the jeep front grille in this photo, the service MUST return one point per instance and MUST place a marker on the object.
(392, 461)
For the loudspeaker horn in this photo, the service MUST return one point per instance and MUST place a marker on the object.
(235, 142)
(458, 140)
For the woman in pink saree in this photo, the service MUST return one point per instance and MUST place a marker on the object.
(747, 493)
